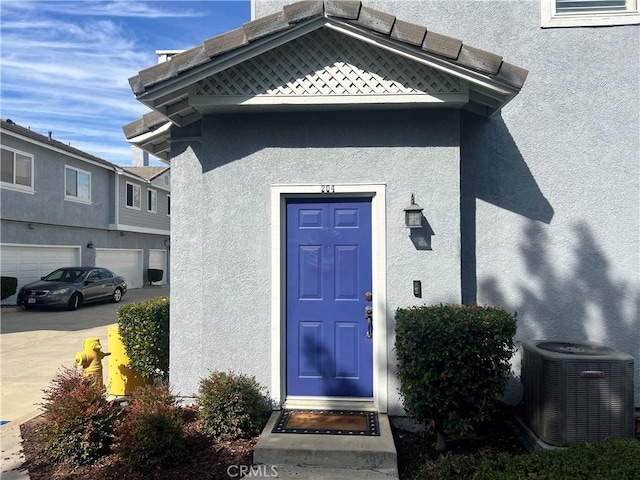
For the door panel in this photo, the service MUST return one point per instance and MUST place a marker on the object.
(328, 272)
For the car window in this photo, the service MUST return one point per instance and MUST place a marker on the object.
(79, 274)
(55, 275)
(105, 274)
(94, 276)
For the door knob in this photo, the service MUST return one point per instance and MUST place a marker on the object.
(368, 296)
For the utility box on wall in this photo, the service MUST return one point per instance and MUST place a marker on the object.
(577, 391)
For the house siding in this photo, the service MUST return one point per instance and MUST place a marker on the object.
(142, 218)
(45, 218)
(228, 248)
(49, 187)
(551, 186)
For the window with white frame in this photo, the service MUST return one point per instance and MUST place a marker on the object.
(579, 13)
(16, 170)
(152, 200)
(133, 196)
(77, 184)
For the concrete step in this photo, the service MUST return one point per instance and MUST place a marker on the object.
(357, 455)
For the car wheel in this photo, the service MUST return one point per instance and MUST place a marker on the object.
(74, 302)
(117, 295)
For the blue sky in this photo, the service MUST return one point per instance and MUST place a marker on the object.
(65, 65)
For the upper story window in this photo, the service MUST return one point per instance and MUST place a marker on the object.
(77, 185)
(169, 205)
(133, 196)
(579, 13)
(17, 170)
(152, 201)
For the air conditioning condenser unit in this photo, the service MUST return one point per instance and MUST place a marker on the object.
(577, 391)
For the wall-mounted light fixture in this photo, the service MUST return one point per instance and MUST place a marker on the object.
(90, 244)
(413, 214)
(31, 226)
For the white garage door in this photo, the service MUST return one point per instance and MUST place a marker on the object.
(123, 262)
(29, 263)
(158, 260)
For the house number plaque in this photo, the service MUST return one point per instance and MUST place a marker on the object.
(327, 189)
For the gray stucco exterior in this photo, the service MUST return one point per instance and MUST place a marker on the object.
(44, 219)
(221, 231)
(535, 209)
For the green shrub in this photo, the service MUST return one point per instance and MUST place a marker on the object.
(453, 362)
(613, 459)
(231, 405)
(79, 422)
(8, 286)
(144, 330)
(150, 435)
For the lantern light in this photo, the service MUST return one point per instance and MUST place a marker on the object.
(413, 214)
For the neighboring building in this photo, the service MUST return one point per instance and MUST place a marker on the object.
(63, 207)
(297, 141)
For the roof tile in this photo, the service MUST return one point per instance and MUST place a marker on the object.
(190, 58)
(226, 42)
(266, 25)
(512, 74)
(149, 121)
(347, 9)
(157, 73)
(136, 85)
(375, 20)
(147, 173)
(481, 60)
(442, 45)
(27, 132)
(408, 33)
(304, 10)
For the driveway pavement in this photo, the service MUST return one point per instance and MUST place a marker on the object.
(34, 345)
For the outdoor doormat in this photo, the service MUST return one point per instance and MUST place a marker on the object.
(328, 422)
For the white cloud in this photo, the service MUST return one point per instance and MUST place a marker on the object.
(69, 73)
(66, 64)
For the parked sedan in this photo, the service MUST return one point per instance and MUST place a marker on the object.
(70, 287)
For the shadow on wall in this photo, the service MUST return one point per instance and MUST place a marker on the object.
(237, 136)
(581, 301)
(492, 169)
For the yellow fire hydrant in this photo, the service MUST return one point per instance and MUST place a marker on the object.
(90, 359)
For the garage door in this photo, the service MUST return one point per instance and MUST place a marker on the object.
(126, 263)
(158, 260)
(29, 263)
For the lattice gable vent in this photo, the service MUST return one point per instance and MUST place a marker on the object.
(327, 63)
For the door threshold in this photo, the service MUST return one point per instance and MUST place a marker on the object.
(329, 403)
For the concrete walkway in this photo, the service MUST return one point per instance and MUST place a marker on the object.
(33, 348)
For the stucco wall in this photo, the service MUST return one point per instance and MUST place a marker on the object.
(48, 204)
(142, 218)
(221, 221)
(551, 187)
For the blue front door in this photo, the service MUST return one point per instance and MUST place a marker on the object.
(328, 274)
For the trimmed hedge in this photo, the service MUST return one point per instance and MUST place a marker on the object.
(453, 362)
(9, 286)
(614, 459)
(144, 329)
